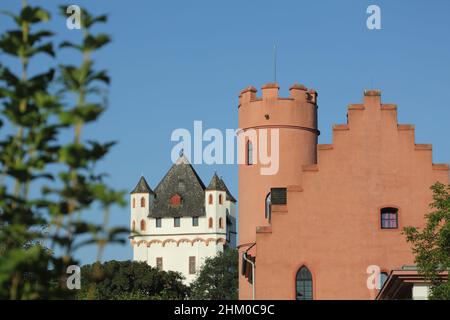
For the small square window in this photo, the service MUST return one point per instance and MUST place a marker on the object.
(176, 222)
(389, 218)
(195, 221)
(158, 222)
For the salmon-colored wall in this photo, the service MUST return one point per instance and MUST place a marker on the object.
(295, 118)
(331, 223)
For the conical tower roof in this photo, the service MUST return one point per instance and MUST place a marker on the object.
(216, 184)
(229, 195)
(142, 187)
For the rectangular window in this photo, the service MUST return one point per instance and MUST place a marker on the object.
(191, 265)
(195, 221)
(159, 263)
(158, 222)
(176, 222)
(389, 218)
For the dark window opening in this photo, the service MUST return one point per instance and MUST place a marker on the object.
(159, 263)
(249, 153)
(268, 206)
(389, 218)
(195, 221)
(176, 222)
(158, 222)
(191, 265)
(304, 284)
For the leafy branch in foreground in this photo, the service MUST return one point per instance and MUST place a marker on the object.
(47, 181)
(431, 245)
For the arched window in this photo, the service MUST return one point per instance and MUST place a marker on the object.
(142, 202)
(210, 199)
(249, 153)
(220, 223)
(134, 202)
(304, 284)
(268, 206)
(133, 226)
(220, 199)
(389, 218)
(142, 225)
(210, 223)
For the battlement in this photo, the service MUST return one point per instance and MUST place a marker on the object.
(270, 91)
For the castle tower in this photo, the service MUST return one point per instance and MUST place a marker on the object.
(295, 120)
(216, 205)
(141, 201)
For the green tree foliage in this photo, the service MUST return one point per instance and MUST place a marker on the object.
(431, 245)
(46, 179)
(218, 278)
(129, 280)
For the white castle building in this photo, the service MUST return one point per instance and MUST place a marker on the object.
(180, 223)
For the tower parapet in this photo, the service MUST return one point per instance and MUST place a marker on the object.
(295, 119)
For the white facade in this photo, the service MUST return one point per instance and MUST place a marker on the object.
(182, 248)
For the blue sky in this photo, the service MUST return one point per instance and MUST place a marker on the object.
(174, 62)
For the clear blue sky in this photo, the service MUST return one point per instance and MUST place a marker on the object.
(173, 62)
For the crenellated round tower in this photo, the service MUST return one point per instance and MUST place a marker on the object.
(290, 125)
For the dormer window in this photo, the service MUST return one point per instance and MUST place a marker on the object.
(175, 200)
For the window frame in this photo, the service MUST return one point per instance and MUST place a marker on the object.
(210, 223)
(249, 153)
(309, 280)
(385, 222)
(159, 263)
(210, 199)
(195, 221)
(268, 206)
(192, 265)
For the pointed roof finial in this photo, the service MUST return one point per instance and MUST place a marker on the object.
(181, 152)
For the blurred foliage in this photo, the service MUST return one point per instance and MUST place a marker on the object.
(431, 245)
(218, 278)
(129, 280)
(47, 180)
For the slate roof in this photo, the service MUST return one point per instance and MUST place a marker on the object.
(183, 180)
(142, 187)
(229, 195)
(216, 184)
(219, 185)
